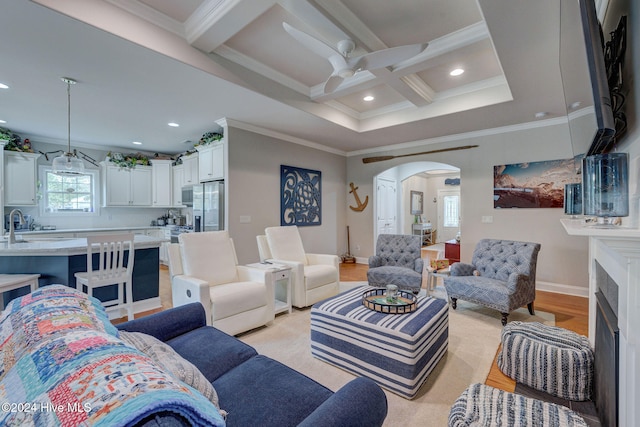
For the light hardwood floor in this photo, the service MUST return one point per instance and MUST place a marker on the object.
(571, 312)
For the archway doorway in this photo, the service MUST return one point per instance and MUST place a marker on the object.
(427, 178)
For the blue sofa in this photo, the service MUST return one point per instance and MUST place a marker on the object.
(252, 388)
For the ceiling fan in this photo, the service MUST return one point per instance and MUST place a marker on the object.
(343, 64)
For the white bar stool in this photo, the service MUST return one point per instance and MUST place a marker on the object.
(111, 269)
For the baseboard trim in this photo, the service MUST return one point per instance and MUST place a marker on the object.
(560, 288)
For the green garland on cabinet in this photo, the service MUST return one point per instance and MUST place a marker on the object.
(129, 161)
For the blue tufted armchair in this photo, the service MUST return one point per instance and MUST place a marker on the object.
(502, 276)
(397, 261)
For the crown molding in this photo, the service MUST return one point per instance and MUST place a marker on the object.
(151, 15)
(462, 136)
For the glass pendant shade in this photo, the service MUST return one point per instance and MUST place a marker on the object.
(605, 181)
(573, 199)
(68, 163)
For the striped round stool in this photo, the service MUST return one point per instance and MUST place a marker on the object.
(547, 358)
(482, 405)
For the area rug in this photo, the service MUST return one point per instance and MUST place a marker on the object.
(474, 336)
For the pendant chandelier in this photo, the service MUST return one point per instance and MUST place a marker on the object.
(68, 163)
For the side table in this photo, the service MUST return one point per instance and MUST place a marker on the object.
(432, 278)
(9, 282)
(280, 276)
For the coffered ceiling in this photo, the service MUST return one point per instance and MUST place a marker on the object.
(142, 63)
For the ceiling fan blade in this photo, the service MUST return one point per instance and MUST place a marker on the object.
(310, 42)
(386, 57)
(332, 83)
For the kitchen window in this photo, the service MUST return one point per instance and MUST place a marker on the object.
(69, 194)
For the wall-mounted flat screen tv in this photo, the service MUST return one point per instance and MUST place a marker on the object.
(592, 64)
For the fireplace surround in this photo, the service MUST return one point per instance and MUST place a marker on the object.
(616, 250)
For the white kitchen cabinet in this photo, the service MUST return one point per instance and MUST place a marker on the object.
(177, 175)
(211, 162)
(127, 187)
(190, 165)
(162, 183)
(20, 178)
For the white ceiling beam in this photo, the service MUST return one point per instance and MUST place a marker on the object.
(347, 19)
(315, 19)
(216, 21)
(418, 92)
(262, 69)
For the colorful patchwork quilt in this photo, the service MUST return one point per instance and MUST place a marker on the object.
(62, 364)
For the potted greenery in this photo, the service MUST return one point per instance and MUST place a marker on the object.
(208, 138)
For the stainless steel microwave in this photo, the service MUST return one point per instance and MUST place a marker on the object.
(187, 195)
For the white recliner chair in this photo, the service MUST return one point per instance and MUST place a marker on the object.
(204, 268)
(314, 277)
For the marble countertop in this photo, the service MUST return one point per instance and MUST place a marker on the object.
(42, 246)
(87, 230)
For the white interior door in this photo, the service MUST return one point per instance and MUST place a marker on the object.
(448, 214)
(386, 206)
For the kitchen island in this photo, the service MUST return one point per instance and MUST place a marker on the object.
(58, 259)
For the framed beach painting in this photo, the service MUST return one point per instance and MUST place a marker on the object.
(533, 184)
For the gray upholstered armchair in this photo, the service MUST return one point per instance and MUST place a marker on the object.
(398, 261)
(502, 276)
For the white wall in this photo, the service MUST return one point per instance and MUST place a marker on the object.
(562, 260)
(253, 190)
(413, 183)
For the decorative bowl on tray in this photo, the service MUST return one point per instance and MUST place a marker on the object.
(376, 299)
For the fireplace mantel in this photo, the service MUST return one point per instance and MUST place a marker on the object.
(617, 250)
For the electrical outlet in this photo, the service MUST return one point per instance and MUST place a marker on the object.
(357, 248)
(245, 219)
(488, 219)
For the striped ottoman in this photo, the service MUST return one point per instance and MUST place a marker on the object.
(398, 351)
(547, 358)
(483, 405)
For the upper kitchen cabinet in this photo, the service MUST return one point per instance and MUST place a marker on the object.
(177, 174)
(211, 161)
(127, 187)
(20, 178)
(190, 165)
(162, 183)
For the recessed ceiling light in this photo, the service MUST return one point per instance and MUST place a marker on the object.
(136, 143)
(541, 114)
(368, 98)
(456, 72)
(575, 105)
(3, 86)
(173, 125)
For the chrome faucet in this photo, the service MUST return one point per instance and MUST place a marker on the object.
(12, 231)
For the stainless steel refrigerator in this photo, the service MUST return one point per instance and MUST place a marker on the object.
(208, 206)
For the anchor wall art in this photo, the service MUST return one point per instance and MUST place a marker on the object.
(301, 196)
(360, 205)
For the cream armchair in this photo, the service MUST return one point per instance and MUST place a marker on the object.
(314, 277)
(204, 268)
